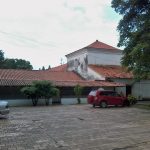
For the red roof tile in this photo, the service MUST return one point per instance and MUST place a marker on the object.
(10, 77)
(8, 82)
(110, 71)
(88, 83)
(101, 45)
(59, 68)
(38, 75)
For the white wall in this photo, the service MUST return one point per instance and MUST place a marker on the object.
(28, 102)
(141, 89)
(78, 61)
(103, 57)
(24, 102)
(71, 101)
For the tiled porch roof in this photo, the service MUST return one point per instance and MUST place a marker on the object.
(59, 68)
(10, 77)
(15, 82)
(111, 71)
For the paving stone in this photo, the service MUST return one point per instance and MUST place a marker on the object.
(75, 127)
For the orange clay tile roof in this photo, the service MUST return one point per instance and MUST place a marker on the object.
(101, 45)
(59, 68)
(10, 77)
(37, 75)
(111, 71)
(88, 83)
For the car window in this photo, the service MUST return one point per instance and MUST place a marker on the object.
(92, 93)
(104, 94)
(115, 94)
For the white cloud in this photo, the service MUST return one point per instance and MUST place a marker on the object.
(43, 31)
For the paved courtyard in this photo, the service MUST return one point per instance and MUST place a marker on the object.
(75, 127)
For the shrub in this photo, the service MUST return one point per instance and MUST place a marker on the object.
(78, 92)
(40, 89)
(132, 99)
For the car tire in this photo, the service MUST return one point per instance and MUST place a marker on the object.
(103, 104)
(93, 105)
(126, 103)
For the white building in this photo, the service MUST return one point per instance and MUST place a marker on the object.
(99, 61)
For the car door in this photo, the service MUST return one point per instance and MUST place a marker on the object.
(111, 98)
(117, 99)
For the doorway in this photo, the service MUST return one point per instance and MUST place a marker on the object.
(128, 90)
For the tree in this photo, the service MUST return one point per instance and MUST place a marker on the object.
(23, 64)
(7, 63)
(134, 29)
(49, 67)
(40, 89)
(78, 92)
(1, 58)
(1, 55)
(43, 68)
(17, 64)
(31, 92)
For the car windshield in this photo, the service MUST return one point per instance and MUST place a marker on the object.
(92, 93)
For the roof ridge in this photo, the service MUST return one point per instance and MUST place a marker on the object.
(102, 45)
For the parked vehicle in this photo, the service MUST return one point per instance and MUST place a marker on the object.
(4, 109)
(105, 98)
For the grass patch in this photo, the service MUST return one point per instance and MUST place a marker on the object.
(142, 106)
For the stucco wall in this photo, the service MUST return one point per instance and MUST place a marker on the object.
(103, 57)
(78, 61)
(28, 102)
(70, 101)
(141, 89)
(24, 102)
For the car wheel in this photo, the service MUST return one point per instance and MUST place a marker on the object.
(103, 104)
(93, 105)
(126, 103)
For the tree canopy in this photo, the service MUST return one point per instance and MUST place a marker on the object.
(40, 89)
(134, 29)
(7, 63)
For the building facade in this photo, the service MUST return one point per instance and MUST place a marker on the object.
(99, 61)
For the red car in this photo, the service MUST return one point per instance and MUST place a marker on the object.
(105, 98)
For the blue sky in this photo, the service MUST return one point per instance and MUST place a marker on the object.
(44, 31)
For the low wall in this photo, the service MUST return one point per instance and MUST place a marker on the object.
(71, 101)
(28, 102)
(25, 102)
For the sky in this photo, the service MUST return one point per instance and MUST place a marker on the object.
(44, 31)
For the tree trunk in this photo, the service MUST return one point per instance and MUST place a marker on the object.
(47, 102)
(79, 101)
(34, 102)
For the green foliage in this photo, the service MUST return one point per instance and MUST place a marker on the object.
(43, 68)
(78, 92)
(132, 99)
(31, 92)
(6, 63)
(1, 56)
(55, 92)
(134, 29)
(43, 88)
(40, 89)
